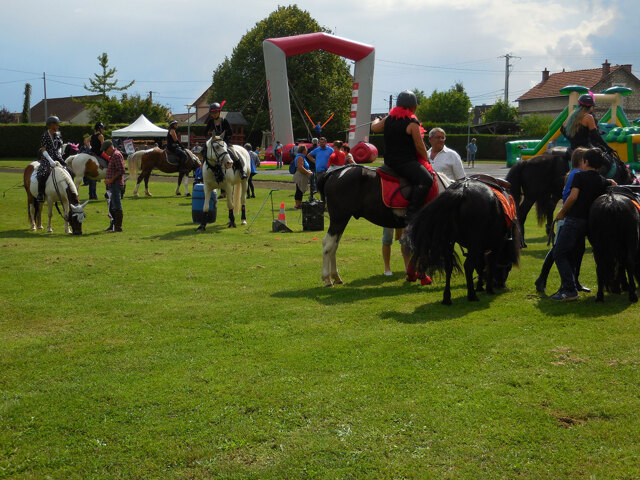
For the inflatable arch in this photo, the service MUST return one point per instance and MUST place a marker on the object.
(276, 51)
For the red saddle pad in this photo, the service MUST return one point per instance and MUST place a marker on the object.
(395, 195)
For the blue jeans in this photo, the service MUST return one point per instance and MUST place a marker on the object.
(569, 237)
(116, 197)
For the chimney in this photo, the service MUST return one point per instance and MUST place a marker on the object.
(545, 75)
(606, 68)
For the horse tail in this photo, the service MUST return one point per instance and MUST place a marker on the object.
(432, 232)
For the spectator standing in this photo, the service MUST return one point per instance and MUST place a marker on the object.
(115, 181)
(277, 151)
(302, 175)
(387, 241)
(319, 156)
(318, 130)
(472, 149)
(442, 158)
(253, 157)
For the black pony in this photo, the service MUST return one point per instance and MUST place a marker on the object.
(614, 234)
(468, 213)
(540, 180)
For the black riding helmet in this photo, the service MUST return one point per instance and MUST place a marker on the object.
(172, 123)
(98, 125)
(215, 107)
(586, 100)
(53, 119)
(406, 99)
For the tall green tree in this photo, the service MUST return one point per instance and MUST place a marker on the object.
(127, 108)
(501, 111)
(105, 82)
(320, 81)
(26, 107)
(451, 106)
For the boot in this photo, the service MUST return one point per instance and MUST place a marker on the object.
(298, 205)
(237, 165)
(110, 227)
(117, 226)
(42, 184)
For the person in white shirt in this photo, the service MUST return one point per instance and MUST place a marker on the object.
(443, 159)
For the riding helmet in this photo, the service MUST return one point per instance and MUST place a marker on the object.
(586, 100)
(172, 123)
(98, 125)
(215, 107)
(248, 146)
(406, 99)
(53, 119)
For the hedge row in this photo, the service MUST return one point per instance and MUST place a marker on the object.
(23, 140)
(489, 146)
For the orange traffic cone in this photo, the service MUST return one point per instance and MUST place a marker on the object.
(280, 225)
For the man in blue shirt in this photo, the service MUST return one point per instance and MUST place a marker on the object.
(320, 158)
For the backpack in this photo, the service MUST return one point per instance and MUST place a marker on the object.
(292, 167)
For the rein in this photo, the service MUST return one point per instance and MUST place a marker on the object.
(55, 185)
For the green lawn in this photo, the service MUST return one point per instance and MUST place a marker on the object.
(165, 353)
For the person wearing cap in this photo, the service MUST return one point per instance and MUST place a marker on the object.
(580, 128)
(114, 180)
(50, 152)
(174, 146)
(217, 126)
(403, 146)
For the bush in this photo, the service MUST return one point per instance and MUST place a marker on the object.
(535, 125)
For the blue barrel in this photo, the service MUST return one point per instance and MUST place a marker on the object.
(197, 205)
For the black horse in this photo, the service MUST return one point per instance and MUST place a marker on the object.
(468, 213)
(540, 180)
(614, 234)
(355, 191)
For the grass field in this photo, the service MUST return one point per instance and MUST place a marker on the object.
(165, 353)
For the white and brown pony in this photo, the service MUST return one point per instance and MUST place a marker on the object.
(158, 158)
(59, 188)
(218, 172)
(86, 165)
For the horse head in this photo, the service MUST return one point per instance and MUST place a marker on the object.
(69, 149)
(76, 217)
(219, 153)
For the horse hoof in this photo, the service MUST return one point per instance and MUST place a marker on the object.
(33, 229)
(446, 302)
(135, 194)
(188, 195)
(244, 222)
(328, 284)
(201, 228)
(337, 280)
(49, 230)
(148, 194)
(231, 225)
(178, 193)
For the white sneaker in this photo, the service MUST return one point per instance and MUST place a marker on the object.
(388, 273)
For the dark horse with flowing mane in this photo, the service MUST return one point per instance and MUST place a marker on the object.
(614, 234)
(471, 214)
(540, 180)
(355, 191)
(157, 158)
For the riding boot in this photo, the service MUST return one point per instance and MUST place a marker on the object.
(237, 165)
(418, 194)
(117, 222)
(42, 184)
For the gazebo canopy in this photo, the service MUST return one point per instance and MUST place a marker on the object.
(141, 128)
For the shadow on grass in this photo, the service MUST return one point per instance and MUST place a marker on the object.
(586, 306)
(189, 232)
(59, 232)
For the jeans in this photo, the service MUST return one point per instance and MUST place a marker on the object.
(115, 203)
(569, 237)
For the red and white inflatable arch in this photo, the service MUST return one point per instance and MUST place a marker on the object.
(276, 51)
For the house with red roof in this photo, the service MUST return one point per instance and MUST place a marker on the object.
(67, 109)
(545, 97)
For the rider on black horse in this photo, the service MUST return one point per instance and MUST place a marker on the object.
(220, 127)
(403, 145)
(174, 146)
(50, 152)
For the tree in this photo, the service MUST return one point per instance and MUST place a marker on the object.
(25, 117)
(105, 83)
(6, 116)
(535, 125)
(127, 109)
(320, 81)
(451, 106)
(501, 111)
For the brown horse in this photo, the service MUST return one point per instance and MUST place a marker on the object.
(157, 158)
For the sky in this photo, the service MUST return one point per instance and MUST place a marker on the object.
(172, 48)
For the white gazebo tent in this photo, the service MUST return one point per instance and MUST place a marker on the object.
(141, 128)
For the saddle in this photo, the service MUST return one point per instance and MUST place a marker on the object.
(501, 190)
(396, 190)
(632, 192)
(172, 158)
(101, 161)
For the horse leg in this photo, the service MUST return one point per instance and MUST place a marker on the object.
(330, 245)
(469, 269)
(523, 211)
(232, 218)
(146, 184)
(31, 210)
(448, 268)
(50, 207)
(140, 177)
(185, 182)
(243, 198)
(66, 211)
(600, 275)
(180, 175)
(633, 296)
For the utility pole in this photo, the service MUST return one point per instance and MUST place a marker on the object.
(507, 70)
(151, 96)
(44, 77)
(390, 102)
